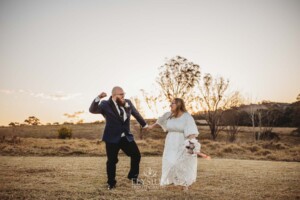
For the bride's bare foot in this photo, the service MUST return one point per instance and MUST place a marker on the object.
(173, 187)
(185, 188)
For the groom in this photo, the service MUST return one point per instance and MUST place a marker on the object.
(117, 111)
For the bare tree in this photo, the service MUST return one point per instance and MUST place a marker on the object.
(137, 102)
(252, 113)
(266, 120)
(192, 103)
(151, 101)
(231, 121)
(177, 78)
(214, 100)
(259, 116)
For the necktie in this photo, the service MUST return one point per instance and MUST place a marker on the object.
(121, 113)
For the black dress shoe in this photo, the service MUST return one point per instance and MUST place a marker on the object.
(110, 187)
(137, 181)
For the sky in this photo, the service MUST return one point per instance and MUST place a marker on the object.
(56, 56)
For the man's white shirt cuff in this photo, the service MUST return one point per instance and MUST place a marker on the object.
(146, 126)
(97, 99)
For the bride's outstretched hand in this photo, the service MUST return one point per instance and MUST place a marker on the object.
(150, 127)
(204, 156)
(146, 128)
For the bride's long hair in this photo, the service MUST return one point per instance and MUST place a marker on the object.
(180, 106)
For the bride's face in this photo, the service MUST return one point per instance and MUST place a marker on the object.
(173, 106)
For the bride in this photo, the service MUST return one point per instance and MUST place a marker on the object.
(179, 167)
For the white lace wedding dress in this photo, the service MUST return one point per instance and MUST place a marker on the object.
(178, 166)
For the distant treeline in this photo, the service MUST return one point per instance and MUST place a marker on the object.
(267, 114)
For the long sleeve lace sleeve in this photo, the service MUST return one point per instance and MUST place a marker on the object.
(191, 127)
(162, 121)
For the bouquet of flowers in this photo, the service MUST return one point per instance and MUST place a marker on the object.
(192, 146)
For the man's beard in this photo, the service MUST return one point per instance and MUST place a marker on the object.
(120, 102)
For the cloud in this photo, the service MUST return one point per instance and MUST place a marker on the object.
(55, 96)
(74, 115)
(7, 91)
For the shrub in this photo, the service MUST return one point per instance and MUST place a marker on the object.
(64, 133)
(274, 146)
(228, 149)
(263, 152)
(254, 148)
(267, 135)
(233, 148)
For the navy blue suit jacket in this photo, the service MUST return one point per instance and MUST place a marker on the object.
(115, 125)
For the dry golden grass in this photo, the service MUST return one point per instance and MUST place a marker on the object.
(94, 131)
(88, 131)
(70, 147)
(85, 178)
(263, 150)
(75, 168)
(34, 142)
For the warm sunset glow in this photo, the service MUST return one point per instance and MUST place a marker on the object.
(56, 56)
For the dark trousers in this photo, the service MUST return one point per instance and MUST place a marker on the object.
(131, 150)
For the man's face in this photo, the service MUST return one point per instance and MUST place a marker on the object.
(120, 97)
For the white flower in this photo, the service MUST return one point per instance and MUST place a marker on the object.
(127, 105)
(193, 140)
(187, 142)
(192, 146)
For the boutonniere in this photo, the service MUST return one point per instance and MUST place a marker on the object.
(127, 105)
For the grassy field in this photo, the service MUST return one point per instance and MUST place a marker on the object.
(263, 150)
(34, 164)
(94, 131)
(85, 178)
(42, 141)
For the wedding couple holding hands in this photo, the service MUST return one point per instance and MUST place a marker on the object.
(179, 162)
